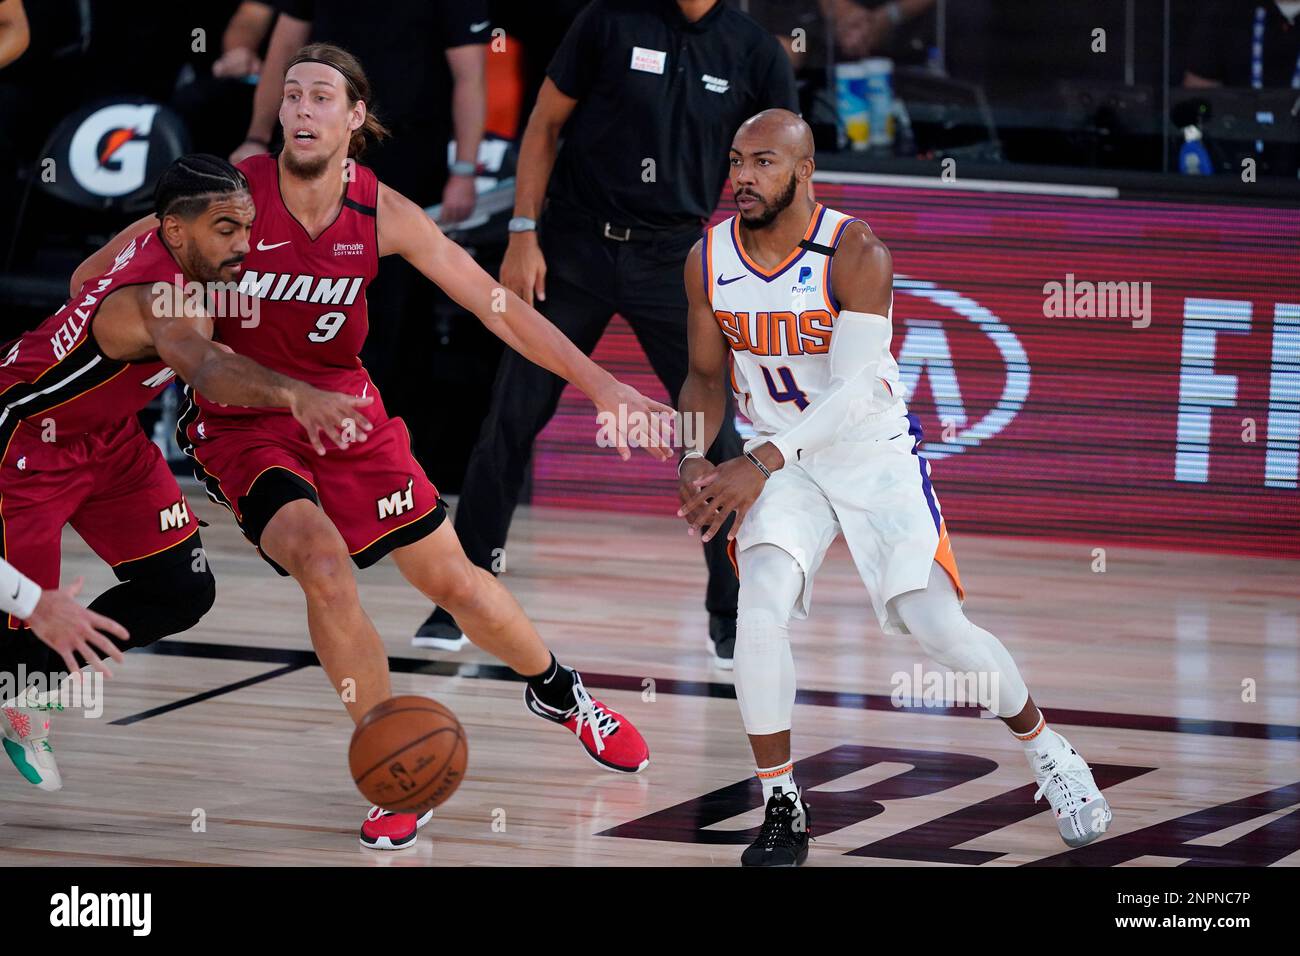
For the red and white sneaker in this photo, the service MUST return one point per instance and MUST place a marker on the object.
(606, 735)
(385, 830)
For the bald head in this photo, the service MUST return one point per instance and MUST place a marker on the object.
(771, 164)
(778, 131)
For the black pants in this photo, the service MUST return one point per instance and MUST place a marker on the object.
(588, 279)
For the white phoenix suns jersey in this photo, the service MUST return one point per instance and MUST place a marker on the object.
(779, 322)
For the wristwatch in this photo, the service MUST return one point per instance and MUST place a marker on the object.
(521, 224)
(463, 167)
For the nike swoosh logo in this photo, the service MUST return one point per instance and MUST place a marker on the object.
(479, 27)
(17, 589)
(722, 281)
(263, 247)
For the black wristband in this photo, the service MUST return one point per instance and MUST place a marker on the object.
(758, 464)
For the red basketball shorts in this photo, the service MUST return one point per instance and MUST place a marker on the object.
(112, 486)
(374, 491)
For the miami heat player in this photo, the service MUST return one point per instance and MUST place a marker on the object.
(800, 297)
(73, 451)
(323, 222)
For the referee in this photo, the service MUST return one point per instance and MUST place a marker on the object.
(648, 94)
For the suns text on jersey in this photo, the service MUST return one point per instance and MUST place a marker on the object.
(778, 333)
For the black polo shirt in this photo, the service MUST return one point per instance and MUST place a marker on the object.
(402, 46)
(1221, 44)
(651, 86)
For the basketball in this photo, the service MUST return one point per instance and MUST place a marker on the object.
(408, 754)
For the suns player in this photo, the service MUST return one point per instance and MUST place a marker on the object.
(799, 298)
(72, 450)
(323, 222)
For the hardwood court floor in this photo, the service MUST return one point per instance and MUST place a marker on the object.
(1141, 666)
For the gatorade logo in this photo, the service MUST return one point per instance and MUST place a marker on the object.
(109, 151)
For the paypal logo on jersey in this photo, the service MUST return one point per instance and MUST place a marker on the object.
(805, 273)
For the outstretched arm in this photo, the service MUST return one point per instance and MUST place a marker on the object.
(59, 621)
(405, 230)
(182, 337)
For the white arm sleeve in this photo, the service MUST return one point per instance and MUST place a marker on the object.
(18, 593)
(857, 346)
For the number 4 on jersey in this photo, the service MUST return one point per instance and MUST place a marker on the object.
(792, 392)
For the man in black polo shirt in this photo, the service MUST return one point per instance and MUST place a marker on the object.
(648, 94)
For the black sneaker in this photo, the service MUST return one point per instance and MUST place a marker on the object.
(440, 632)
(722, 641)
(783, 840)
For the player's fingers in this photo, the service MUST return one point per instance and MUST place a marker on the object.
(657, 452)
(335, 434)
(92, 658)
(101, 623)
(107, 647)
(69, 661)
(314, 437)
(539, 282)
(73, 589)
(691, 504)
(361, 419)
(706, 479)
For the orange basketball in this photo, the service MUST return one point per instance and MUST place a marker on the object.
(408, 754)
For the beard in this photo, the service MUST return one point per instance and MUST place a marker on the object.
(310, 169)
(770, 210)
(204, 270)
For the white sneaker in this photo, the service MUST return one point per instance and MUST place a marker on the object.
(1082, 814)
(26, 739)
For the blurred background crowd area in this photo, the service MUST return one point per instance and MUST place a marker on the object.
(1177, 96)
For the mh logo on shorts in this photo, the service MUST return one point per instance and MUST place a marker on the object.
(177, 516)
(397, 502)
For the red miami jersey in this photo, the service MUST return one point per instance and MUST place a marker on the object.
(56, 374)
(310, 319)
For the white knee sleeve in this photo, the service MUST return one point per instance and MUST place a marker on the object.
(770, 584)
(935, 618)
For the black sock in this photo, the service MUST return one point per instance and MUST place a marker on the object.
(554, 686)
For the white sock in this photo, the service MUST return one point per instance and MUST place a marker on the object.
(780, 776)
(1039, 739)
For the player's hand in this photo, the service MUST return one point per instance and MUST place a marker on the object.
(458, 198)
(692, 468)
(634, 420)
(333, 413)
(237, 63)
(66, 626)
(733, 486)
(523, 270)
(247, 148)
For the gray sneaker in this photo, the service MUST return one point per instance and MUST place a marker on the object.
(1082, 813)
